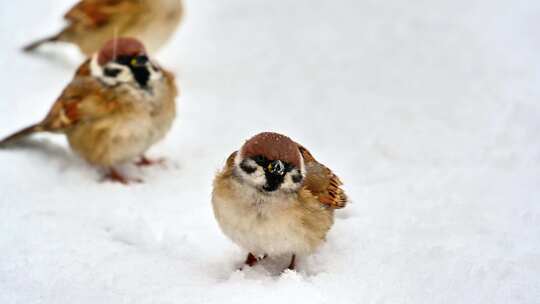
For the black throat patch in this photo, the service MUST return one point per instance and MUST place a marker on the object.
(273, 180)
(141, 74)
(138, 68)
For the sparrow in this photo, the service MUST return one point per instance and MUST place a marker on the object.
(273, 198)
(118, 104)
(91, 23)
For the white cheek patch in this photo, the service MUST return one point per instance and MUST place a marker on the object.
(125, 74)
(155, 73)
(257, 178)
(288, 182)
(97, 71)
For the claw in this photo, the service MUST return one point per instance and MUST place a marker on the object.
(146, 162)
(292, 265)
(114, 176)
(252, 260)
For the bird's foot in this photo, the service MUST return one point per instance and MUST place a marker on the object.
(116, 177)
(292, 265)
(146, 162)
(252, 260)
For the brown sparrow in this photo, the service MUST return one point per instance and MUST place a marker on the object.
(91, 23)
(274, 198)
(118, 105)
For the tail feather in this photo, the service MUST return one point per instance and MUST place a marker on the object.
(21, 134)
(32, 46)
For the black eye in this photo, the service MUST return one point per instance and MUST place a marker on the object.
(109, 72)
(247, 168)
(141, 60)
(297, 178)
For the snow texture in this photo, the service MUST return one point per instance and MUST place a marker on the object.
(428, 110)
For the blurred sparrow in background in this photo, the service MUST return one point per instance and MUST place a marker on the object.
(91, 23)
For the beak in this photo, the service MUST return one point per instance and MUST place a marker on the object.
(276, 167)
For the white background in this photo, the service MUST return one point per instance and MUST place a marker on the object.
(428, 110)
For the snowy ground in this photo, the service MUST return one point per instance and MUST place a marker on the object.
(428, 110)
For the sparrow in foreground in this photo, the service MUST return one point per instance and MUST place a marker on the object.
(91, 23)
(117, 106)
(273, 198)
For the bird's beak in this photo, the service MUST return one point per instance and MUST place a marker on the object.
(276, 167)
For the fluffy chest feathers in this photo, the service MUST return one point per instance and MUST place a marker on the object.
(158, 103)
(134, 120)
(268, 224)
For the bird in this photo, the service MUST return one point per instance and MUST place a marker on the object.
(91, 23)
(118, 104)
(273, 198)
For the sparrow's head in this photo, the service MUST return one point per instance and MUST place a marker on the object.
(271, 163)
(124, 60)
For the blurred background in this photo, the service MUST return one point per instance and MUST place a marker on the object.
(428, 110)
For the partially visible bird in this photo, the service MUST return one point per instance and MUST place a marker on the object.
(117, 106)
(273, 198)
(91, 23)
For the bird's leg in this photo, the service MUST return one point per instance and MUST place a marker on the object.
(292, 265)
(252, 260)
(114, 176)
(146, 162)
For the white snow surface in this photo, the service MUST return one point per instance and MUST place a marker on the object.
(428, 110)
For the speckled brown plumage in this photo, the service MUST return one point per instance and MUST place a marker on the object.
(322, 182)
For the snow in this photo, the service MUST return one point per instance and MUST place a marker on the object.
(428, 110)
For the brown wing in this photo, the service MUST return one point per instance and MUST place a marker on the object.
(322, 182)
(229, 165)
(83, 99)
(96, 13)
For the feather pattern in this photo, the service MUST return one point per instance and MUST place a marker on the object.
(322, 182)
(91, 23)
(96, 13)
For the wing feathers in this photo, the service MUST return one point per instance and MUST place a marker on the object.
(322, 182)
(83, 99)
(96, 13)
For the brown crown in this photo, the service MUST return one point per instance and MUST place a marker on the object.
(120, 47)
(273, 146)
